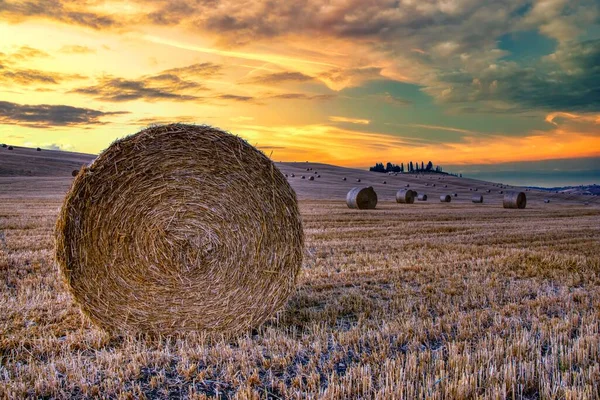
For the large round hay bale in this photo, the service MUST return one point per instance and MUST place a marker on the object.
(445, 198)
(422, 197)
(514, 199)
(311, 178)
(363, 198)
(180, 228)
(477, 199)
(405, 196)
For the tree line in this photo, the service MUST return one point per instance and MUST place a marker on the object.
(410, 167)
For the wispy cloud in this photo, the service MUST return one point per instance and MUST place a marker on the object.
(350, 120)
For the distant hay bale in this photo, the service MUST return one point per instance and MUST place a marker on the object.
(445, 186)
(470, 189)
(455, 194)
(10, 147)
(407, 185)
(546, 200)
(4, 145)
(514, 199)
(344, 179)
(476, 189)
(358, 180)
(38, 149)
(384, 182)
(433, 184)
(180, 228)
(477, 199)
(316, 173)
(311, 178)
(303, 177)
(363, 198)
(501, 192)
(427, 184)
(422, 197)
(488, 191)
(75, 172)
(318, 176)
(405, 196)
(445, 198)
(286, 175)
(293, 176)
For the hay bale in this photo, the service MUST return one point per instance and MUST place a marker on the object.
(455, 194)
(477, 199)
(180, 228)
(318, 176)
(488, 191)
(363, 198)
(293, 176)
(358, 180)
(384, 182)
(445, 186)
(311, 178)
(514, 199)
(422, 197)
(75, 172)
(344, 179)
(470, 189)
(475, 190)
(405, 196)
(546, 200)
(303, 177)
(445, 198)
(407, 185)
(10, 147)
(38, 149)
(4, 145)
(433, 184)
(501, 192)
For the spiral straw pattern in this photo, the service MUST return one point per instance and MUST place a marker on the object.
(180, 228)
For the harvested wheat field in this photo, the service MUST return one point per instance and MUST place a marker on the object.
(425, 300)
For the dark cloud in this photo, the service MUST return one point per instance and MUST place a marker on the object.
(234, 97)
(67, 11)
(26, 77)
(280, 77)
(175, 84)
(47, 116)
(567, 80)
(154, 88)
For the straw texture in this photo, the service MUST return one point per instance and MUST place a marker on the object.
(406, 196)
(513, 199)
(180, 228)
(363, 198)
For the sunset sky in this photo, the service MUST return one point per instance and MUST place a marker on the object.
(345, 82)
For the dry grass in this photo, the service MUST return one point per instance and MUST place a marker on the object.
(423, 301)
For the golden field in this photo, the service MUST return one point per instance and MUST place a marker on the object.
(430, 300)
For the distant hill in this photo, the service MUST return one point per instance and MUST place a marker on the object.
(582, 190)
(48, 173)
